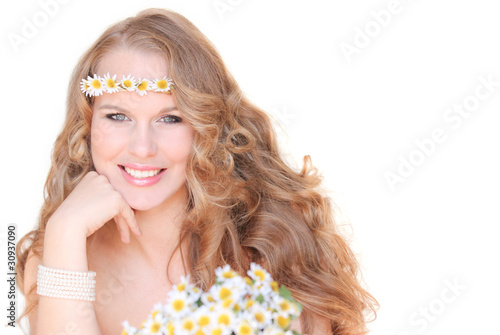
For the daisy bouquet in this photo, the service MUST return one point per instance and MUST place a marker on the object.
(233, 305)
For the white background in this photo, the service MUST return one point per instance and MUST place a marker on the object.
(356, 119)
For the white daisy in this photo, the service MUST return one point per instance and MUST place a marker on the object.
(258, 316)
(223, 316)
(96, 86)
(203, 316)
(162, 85)
(85, 86)
(225, 272)
(186, 326)
(110, 85)
(178, 305)
(284, 306)
(155, 325)
(143, 86)
(227, 294)
(128, 83)
(258, 273)
(243, 328)
(283, 320)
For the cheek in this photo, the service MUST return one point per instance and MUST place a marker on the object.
(105, 142)
(178, 146)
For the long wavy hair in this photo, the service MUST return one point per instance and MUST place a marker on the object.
(246, 204)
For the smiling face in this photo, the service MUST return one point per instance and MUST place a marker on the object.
(140, 143)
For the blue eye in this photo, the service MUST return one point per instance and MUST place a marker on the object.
(170, 119)
(116, 117)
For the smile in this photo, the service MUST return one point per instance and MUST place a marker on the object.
(141, 174)
(146, 176)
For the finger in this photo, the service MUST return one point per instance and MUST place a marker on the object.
(123, 229)
(126, 218)
(129, 216)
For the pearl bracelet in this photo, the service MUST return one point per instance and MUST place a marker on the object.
(65, 284)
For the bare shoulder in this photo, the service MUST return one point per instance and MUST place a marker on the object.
(30, 275)
(319, 325)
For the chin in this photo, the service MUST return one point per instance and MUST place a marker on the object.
(141, 206)
(145, 202)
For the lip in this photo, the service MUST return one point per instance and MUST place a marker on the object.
(149, 181)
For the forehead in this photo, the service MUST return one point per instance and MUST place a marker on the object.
(125, 61)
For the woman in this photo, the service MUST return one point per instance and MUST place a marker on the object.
(148, 186)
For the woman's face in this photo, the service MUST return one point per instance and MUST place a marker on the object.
(140, 143)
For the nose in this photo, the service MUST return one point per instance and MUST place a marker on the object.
(142, 141)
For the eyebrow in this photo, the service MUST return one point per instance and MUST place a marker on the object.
(123, 110)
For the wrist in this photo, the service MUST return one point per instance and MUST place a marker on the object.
(65, 246)
(64, 229)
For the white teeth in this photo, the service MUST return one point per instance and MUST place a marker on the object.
(141, 174)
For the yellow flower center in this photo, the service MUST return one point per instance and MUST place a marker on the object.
(249, 304)
(283, 322)
(217, 331)
(178, 305)
(259, 317)
(224, 293)
(203, 320)
(227, 302)
(124, 332)
(248, 281)
(199, 332)
(275, 286)
(162, 84)
(155, 327)
(260, 274)
(188, 325)
(181, 287)
(228, 274)
(245, 330)
(285, 306)
(95, 83)
(111, 83)
(170, 328)
(127, 83)
(143, 86)
(224, 319)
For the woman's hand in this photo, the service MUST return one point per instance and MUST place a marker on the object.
(92, 203)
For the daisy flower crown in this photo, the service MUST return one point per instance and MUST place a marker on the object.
(97, 85)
